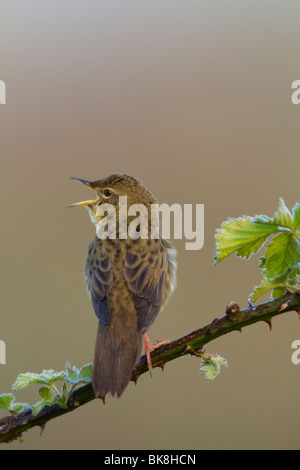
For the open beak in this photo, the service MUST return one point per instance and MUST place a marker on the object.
(83, 203)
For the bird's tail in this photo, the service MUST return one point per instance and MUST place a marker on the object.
(116, 355)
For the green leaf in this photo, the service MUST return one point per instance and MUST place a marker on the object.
(47, 377)
(85, 374)
(265, 286)
(278, 292)
(71, 373)
(279, 284)
(281, 262)
(75, 376)
(49, 393)
(211, 365)
(7, 402)
(283, 252)
(283, 217)
(37, 407)
(244, 236)
(45, 393)
(63, 399)
(296, 219)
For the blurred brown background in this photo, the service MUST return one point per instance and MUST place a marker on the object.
(194, 97)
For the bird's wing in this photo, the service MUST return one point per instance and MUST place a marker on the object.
(145, 273)
(99, 279)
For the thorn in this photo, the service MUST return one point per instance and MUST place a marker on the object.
(42, 426)
(135, 380)
(103, 400)
(186, 348)
(269, 323)
(298, 311)
(162, 367)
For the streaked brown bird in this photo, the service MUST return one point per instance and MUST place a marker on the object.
(128, 279)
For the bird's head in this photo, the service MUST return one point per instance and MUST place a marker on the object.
(108, 191)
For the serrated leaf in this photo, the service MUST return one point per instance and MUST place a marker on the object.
(47, 377)
(23, 380)
(6, 399)
(76, 376)
(211, 365)
(7, 402)
(85, 374)
(283, 252)
(71, 373)
(277, 285)
(19, 407)
(244, 235)
(56, 398)
(51, 376)
(283, 217)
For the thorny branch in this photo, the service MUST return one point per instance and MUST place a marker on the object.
(11, 427)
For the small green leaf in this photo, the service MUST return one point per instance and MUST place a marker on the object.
(75, 376)
(265, 286)
(85, 374)
(71, 373)
(45, 393)
(211, 365)
(56, 398)
(47, 377)
(7, 402)
(23, 380)
(279, 284)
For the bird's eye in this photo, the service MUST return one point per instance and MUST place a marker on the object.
(107, 192)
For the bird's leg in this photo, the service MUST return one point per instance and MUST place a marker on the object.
(149, 346)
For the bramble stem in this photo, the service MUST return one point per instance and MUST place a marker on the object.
(11, 427)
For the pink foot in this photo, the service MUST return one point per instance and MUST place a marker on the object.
(149, 347)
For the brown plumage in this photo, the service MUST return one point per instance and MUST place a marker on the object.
(128, 280)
